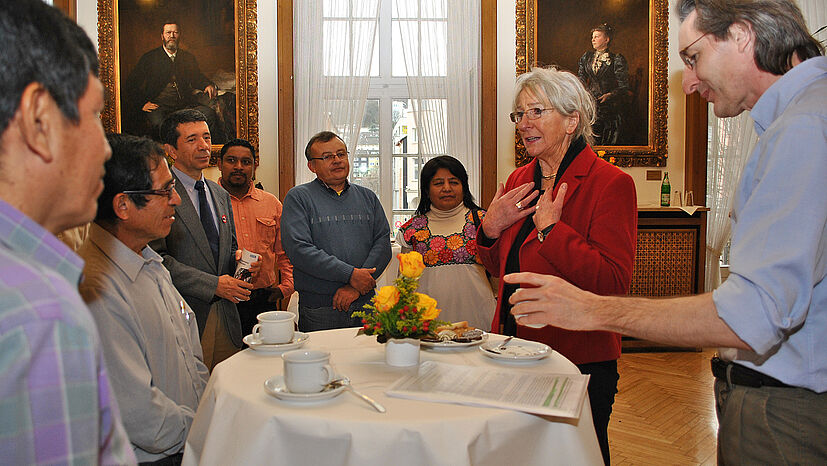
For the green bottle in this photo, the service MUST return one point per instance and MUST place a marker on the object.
(665, 190)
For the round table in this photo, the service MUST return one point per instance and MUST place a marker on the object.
(237, 422)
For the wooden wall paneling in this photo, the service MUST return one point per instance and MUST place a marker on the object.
(488, 102)
(68, 7)
(695, 144)
(286, 145)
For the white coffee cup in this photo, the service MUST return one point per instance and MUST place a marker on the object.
(274, 327)
(307, 371)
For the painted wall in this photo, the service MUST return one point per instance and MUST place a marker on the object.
(648, 191)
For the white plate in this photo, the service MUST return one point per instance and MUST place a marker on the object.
(276, 387)
(454, 344)
(299, 339)
(517, 350)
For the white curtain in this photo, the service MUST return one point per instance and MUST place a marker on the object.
(730, 144)
(731, 140)
(442, 59)
(332, 48)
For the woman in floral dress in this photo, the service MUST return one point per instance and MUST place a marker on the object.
(444, 231)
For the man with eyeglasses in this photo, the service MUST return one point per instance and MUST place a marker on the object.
(257, 216)
(148, 333)
(336, 236)
(771, 312)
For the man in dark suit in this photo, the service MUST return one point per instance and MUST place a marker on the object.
(200, 250)
(164, 80)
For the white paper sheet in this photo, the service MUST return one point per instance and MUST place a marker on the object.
(550, 394)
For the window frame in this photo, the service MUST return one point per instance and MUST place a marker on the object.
(488, 104)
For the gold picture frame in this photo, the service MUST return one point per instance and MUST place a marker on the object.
(246, 64)
(651, 148)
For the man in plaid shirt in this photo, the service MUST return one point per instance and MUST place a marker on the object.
(56, 406)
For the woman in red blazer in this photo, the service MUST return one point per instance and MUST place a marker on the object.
(566, 213)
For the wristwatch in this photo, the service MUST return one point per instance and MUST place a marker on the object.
(541, 234)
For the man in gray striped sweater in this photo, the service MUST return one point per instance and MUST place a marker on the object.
(336, 236)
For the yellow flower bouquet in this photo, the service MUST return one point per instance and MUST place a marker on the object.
(398, 311)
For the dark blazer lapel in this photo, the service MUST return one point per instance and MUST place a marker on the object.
(189, 217)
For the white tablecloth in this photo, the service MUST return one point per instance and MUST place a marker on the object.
(239, 423)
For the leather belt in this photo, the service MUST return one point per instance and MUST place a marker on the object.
(736, 374)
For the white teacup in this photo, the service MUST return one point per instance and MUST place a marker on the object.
(274, 327)
(307, 371)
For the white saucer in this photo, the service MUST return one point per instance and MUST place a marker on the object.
(276, 387)
(453, 344)
(299, 339)
(517, 350)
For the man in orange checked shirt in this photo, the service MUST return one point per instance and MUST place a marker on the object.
(257, 214)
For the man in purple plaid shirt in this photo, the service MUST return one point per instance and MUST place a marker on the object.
(56, 406)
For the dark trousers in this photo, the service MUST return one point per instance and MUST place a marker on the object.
(248, 310)
(602, 390)
(312, 319)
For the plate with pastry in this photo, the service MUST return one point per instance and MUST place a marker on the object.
(455, 335)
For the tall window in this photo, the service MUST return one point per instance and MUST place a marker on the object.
(389, 152)
(385, 74)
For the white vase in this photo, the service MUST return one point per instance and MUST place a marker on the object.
(402, 352)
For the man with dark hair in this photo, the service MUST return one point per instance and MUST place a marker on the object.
(148, 333)
(257, 215)
(336, 236)
(771, 312)
(166, 79)
(200, 250)
(56, 403)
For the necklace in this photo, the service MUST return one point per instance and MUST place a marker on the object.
(548, 177)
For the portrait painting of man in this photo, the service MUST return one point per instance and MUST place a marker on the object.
(176, 54)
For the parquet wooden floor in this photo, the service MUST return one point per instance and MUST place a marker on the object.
(664, 412)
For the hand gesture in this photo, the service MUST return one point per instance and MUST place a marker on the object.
(211, 91)
(552, 301)
(362, 280)
(149, 106)
(549, 209)
(508, 208)
(233, 289)
(344, 297)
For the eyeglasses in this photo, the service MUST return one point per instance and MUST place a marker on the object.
(531, 113)
(155, 192)
(330, 156)
(688, 60)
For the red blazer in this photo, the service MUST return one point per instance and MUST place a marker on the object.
(592, 247)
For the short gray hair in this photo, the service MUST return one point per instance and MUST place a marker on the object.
(564, 92)
(780, 31)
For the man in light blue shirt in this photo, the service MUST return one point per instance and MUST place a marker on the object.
(771, 313)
